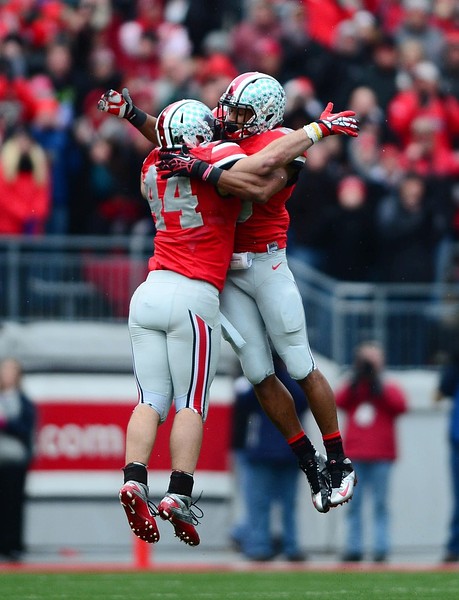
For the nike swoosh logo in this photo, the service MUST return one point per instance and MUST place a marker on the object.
(344, 492)
(128, 506)
(274, 267)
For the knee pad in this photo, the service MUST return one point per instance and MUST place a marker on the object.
(298, 361)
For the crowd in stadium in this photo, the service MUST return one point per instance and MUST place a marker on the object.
(382, 207)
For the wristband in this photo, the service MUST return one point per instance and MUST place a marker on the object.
(314, 132)
(137, 117)
(212, 174)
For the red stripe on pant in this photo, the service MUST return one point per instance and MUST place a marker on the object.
(201, 360)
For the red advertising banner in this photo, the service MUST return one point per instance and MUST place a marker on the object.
(90, 436)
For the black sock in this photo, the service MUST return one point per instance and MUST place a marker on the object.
(333, 446)
(135, 471)
(181, 483)
(302, 447)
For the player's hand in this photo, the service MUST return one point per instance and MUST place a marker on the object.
(183, 164)
(338, 123)
(121, 105)
(116, 103)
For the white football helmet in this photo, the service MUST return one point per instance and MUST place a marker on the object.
(187, 122)
(261, 96)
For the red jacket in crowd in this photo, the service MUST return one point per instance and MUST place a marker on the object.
(370, 433)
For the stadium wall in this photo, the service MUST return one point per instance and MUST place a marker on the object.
(76, 475)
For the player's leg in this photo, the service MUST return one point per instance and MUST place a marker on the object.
(254, 352)
(193, 345)
(148, 315)
(251, 344)
(281, 308)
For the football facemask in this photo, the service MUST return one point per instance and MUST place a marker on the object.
(257, 99)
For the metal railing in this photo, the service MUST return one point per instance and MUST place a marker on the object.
(86, 278)
(70, 278)
(416, 324)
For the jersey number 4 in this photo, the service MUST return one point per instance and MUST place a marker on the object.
(177, 197)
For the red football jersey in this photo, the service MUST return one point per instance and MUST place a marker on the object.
(194, 225)
(265, 223)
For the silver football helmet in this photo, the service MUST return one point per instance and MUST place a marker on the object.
(261, 96)
(187, 122)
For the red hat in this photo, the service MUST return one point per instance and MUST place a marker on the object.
(217, 65)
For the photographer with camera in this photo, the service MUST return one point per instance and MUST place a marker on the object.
(372, 406)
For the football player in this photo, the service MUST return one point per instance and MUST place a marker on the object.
(174, 319)
(260, 301)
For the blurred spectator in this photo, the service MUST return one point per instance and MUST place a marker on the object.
(12, 49)
(258, 31)
(410, 54)
(269, 475)
(389, 14)
(446, 15)
(59, 67)
(165, 51)
(416, 24)
(90, 23)
(51, 129)
(176, 81)
(448, 387)
(304, 56)
(350, 247)
(380, 73)
(17, 101)
(206, 16)
(324, 18)
(214, 73)
(349, 63)
(425, 154)
(364, 153)
(17, 426)
(302, 105)
(106, 204)
(268, 58)
(450, 65)
(311, 200)
(367, 31)
(102, 74)
(372, 405)
(407, 234)
(25, 193)
(425, 99)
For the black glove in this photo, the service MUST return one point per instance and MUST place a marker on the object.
(184, 164)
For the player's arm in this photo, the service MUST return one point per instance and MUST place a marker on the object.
(122, 106)
(285, 149)
(243, 184)
(276, 159)
(251, 186)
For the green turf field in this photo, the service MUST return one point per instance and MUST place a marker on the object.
(231, 586)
